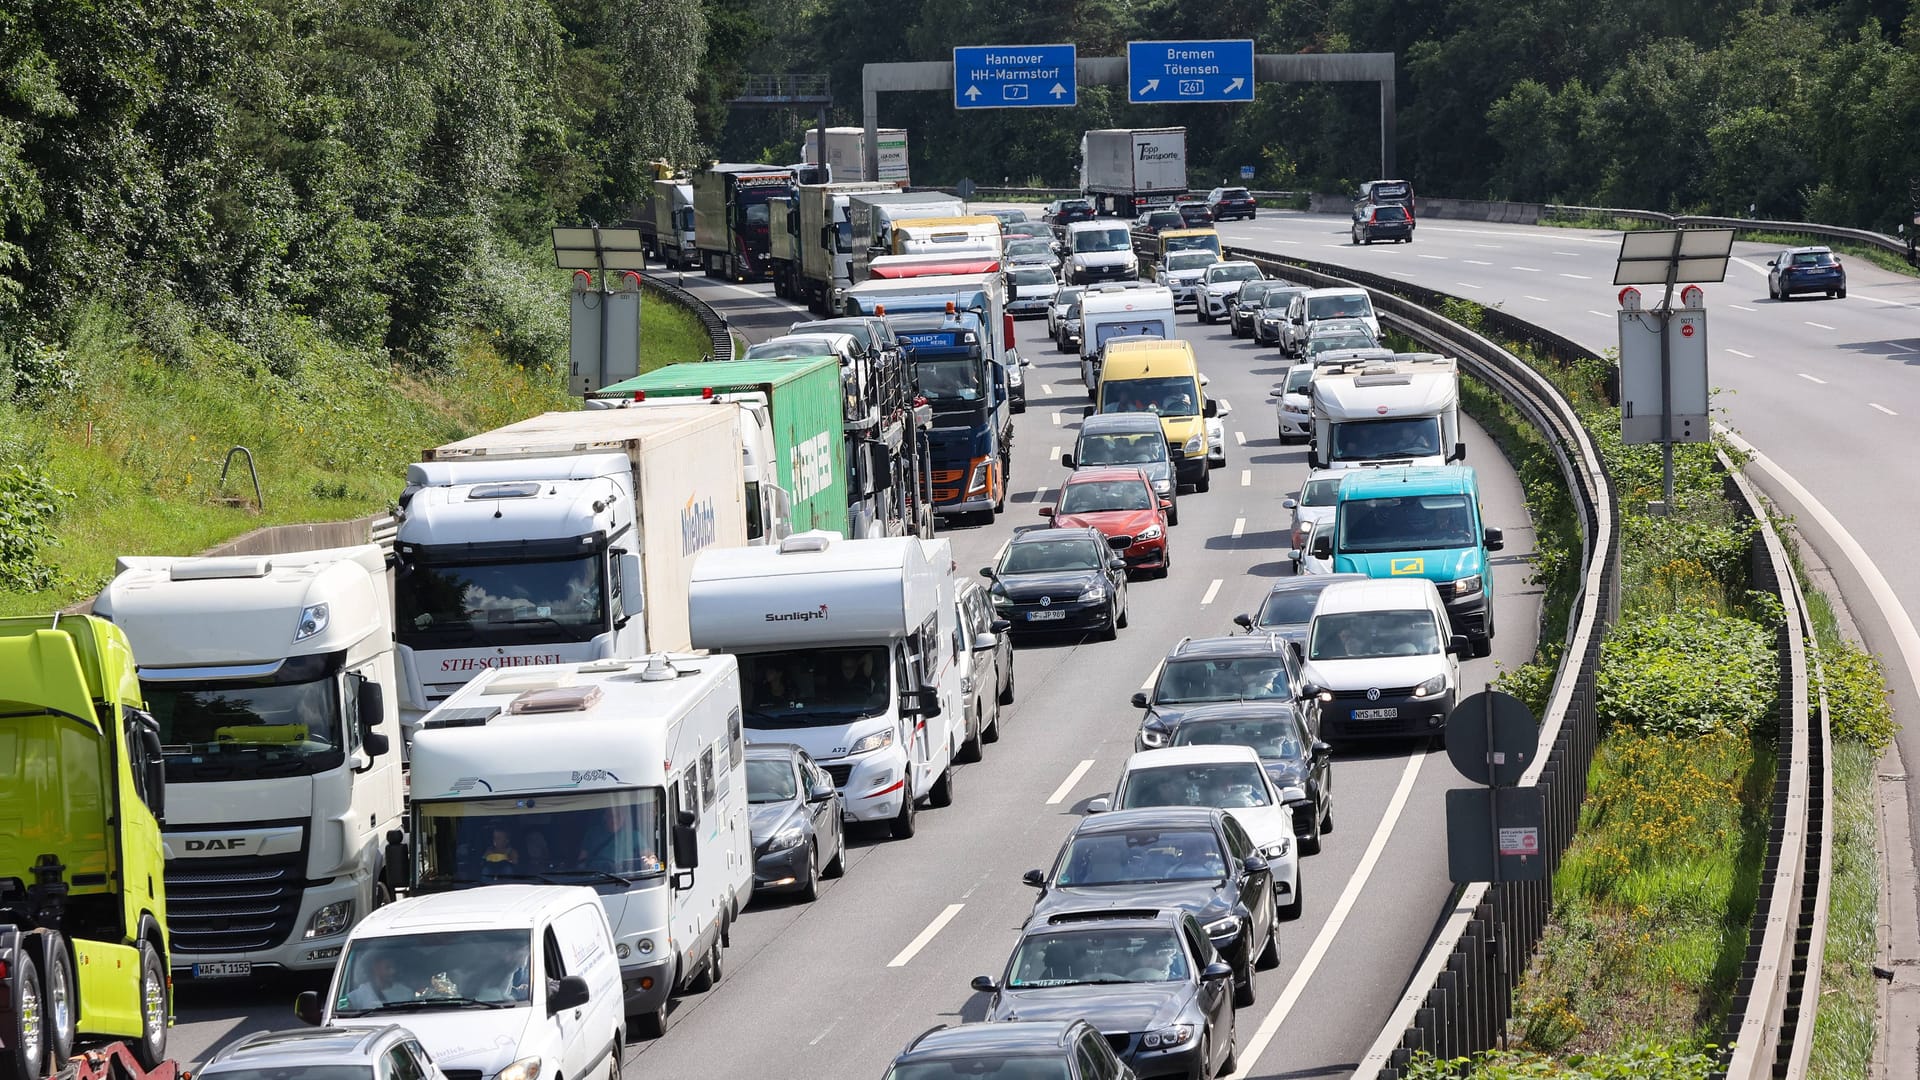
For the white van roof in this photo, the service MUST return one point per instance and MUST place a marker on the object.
(1378, 594)
(490, 907)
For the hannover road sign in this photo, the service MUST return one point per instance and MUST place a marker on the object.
(1190, 71)
(1014, 76)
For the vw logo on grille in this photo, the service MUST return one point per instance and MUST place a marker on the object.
(1046, 601)
(1373, 693)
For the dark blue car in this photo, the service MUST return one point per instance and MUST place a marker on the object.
(1804, 270)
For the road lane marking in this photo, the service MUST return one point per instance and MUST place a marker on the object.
(1053, 453)
(1213, 590)
(1240, 437)
(1423, 255)
(1810, 378)
(1579, 277)
(1490, 247)
(1539, 299)
(1066, 785)
(1468, 285)
(1741, 307)
(1742, 355)
(1526, 269)
(1569, 254)
(913, 947)
(1602, 314)
(1239, 526)
(1478, 262)
(1153, 676)
(1040, 495)
(815, 1041)
(1882, 408)
(1818, 325)
(1883, 300)
(1056, 419)
(1047, 389)
(1246, 477)
(1310, 961)
(1902, 348)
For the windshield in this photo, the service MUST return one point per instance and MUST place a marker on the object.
(815, 687)
(1047, 556)
(1191, 260)
(1208, 242)
(948, 378)
(843, 237)
(1323, 492)
(1097, 240)
(1218, 274)
(1093, 496)
(1344, 306)
(974, 1066)
(1274, 738)
(1030, 247)
(1251, 678)
(284, 724)
(757, 213)
(1278, 299)
(499, 603)
(1230, 785)
(1365, 440)
(1407, 523)
(1066, 296)
(1297, 380)
(1325, 343)
(781, 348)
(1142, 856)
(1081, 957)
(1038, 275)
(1290, 607)
(434, 972)
(1121, 449)
(1106, 332)
(1368, 635)
(771, 781)
(1174, 395)
(563, 838)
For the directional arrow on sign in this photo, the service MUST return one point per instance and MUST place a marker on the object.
(1059, 91)
(1152, 85)
(973, 93)
(1235, 85)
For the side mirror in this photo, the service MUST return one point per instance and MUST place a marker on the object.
(984, 642)
(920, 703)
(1496, 538)
(1307, 689)
(1139, 699)
(307, 1007)
(394, 867)
(1322, 547)
(1314, 460)
(1045, 511)
(1000, 626)
(1460, 451)
(1254, 864)
(155, 776)
(1773, 262)
(1211, 409)
(1321, 749)
(686, 842)
(986, 572)
(1244, 622)
(570, 994)
(1289, 504)
(1293, 555)
(983, 984)
(820, 794)
(1457, 644)
(1100, 805)
(1035, 878)
(1116, 564)
(1067, 459)
(1215, 972)
(372, 705)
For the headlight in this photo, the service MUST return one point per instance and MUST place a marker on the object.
(645, 945)
(1176, 1035)
(1001, 599)
(527, 1068)
(1152, 738)
(1293, 793)
(1223, 927)
(879, 740)
(1095, 591)
(1151, 532)
(330, 920)
(790, 837)
(978, 481)
(1467, 586)
(1325, 695)
(1277, 851)
(1162, 487)
(1435, 685)
(1195, 444)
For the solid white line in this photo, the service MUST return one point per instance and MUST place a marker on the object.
(1527, 269)
(1246, 477)
(1056, 419)
(1153, 676)
(1818, 325)
(1213, 590)
(1882, 408)
(1539, 299)
(1882, 300)
(1239, 526)
(1066, 785)
(1741, 307)
(1742, 355)
(1310, 962)
(1240, 437)
(1581, 277)
(1810, 378)
(1047, 389)
(1479, 262)
(913, 947)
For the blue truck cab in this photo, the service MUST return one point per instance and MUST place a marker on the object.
(948, 355)
(1419, 521)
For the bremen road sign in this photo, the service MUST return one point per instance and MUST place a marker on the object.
(1191, 71)
(1014, 76)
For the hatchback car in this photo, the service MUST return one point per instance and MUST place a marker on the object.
(1315, 501)
(1243, 306)
(1011, 1050)
(1159, 221)
(1009, 218)
(1066, 333)
(1294, 400)
(1798, 271)
(1060, 579)
(1150, 980)
(1218, 283)
(1231, 202)
(1372, 221)
(1198, 859)
(794, 816)
(1136, 440)
(1206, 671)
(1030, 290)
(388, 1052)
(1038, 251)
(1300, 765)
(1063, 212)
(1288, 608)
(986, 671)
(1336, 335)
(1121, 503)
(1057, 306)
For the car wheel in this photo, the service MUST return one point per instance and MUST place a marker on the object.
(1311, 845)
(1842, 294)
(970, 750)
(1173, 515)
(1353, 237)
(1203, 1069)
(809, 889)
(1006, 698)
(1112, 628)
(941, 796)
(1243, 983)
(651, 1024)
(1121, 622)
(703, 982)
(903, 825)
(837, 866)
(1291, 911)
(1231, 1062)
(1269, 957)
(1205, 482)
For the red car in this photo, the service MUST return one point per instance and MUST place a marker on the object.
(1118, 502)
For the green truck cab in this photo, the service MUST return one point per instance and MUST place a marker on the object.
(1418, 521)
(83, 940)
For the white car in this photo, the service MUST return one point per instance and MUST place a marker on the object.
(1181, 273)
(1302, 556)
(1295, 405)
(1216, 431)
(1063, 298)
(1387, 664)
(1231, 778)
(1218, 283)
(1032, 289)
(1313, 503)
(1342, 304)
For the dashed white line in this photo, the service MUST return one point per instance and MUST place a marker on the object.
(1810, 378)
(1053, 453)
(1526, 269)
(1741, 307)
(1818, 325)
(1066, 785)
(1882, 408)
(1468, 285)
(1047, 389)
(1153, 676)
(1423, 255)
(1569, 254)
(1239, 526)
(1539, 299)
(1742, 355)
(1056, 419)
(1489, 247)
(1213, 590)
(1240, 437)
(1602, 314)
(1246, 477)
(1478, 262)
(913, 947)
(1040, 495)
(1579, 277)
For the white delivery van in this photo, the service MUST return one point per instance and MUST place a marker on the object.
(848, 648)
(512, 982)
(622, 775)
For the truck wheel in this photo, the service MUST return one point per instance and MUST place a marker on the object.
(62, 1021)
(151, 1050)
(651, 1024)
(941, 796)
(26, 1056)
(903, 825)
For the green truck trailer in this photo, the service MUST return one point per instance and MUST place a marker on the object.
(83, 939)
(798, 402)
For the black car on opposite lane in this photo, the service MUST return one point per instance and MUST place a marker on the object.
(1208, 671)
(1195, 858)
(1011, 1050)
(1373, 221)
(1231, 202)
(1300, 766)
(1054, 579)
(794, 816)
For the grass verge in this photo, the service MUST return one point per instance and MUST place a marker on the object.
(1885, 260)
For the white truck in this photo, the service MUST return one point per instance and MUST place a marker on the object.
(272, 678)
(847, 648)
(626, 775)
(1125, 172)
(812, 241)
(769, 505)
(1369, 412)
(562, 537)
(874, 215)
(846, 152)
(1106, 314)
(666, 223)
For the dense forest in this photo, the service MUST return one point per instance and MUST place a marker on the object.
(383, 173)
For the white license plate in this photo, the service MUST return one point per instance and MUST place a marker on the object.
(225, 969)
(1375, 714)
(1044, 616)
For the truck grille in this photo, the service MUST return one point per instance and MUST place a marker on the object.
(241, 904)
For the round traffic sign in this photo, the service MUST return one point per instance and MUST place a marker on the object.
(1686, 329)
(1497, 756)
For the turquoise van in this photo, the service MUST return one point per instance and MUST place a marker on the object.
(1420, 521)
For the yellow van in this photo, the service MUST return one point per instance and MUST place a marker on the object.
(1161, 377)
(1185, 240)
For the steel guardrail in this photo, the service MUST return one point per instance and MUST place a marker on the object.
(710, 320)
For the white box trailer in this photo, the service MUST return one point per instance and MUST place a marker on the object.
(846, 648)
(1371, 412)
(1126, 171)
(846, 153)
(533, 774)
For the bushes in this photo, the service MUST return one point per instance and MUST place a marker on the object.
(1636, 1063)
(29, 506)
(1687, 673)
(1856, 694)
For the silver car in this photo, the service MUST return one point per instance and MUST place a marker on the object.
(382, 1053)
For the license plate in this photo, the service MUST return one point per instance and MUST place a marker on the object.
(224, 969)
(1044, 616)
(1375, 714)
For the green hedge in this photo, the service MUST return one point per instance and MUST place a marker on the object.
(1687, 673)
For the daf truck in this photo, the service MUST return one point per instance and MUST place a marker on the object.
(560, 538)
(628, 776)
(846, 649)
(1125, 172)
(1371, 412)
(83, 899)
(873, 217)
(272, 678)
(731, 220)
(666, 222)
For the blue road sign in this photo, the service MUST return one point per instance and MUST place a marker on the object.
(1189, 71)
(1014, 77)
(1246, 172)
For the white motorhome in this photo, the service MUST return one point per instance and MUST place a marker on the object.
(622, 775)
(1114, 313)
(272, 678)
(1400, 412)
(848, 648)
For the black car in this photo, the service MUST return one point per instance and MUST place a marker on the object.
(1288, 608)
(1018, 1049)
(1206, 671)
(1149, 979)
(1195, 858)
(795, 819)
(1243, 307)
(1300, 766)
(1195, 215)
(1159, 221)
(1231, 202)
(1806, 270)
(1373, 221)
(1061, 213)
(1061, 579)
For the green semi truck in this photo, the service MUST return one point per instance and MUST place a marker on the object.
(83, 939)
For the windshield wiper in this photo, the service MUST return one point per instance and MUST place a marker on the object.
(435, 1003)
(604, 875)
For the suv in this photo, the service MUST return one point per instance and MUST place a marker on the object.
(1067, 1049)
(389, 1051)
(1371, 222)
(1159, 221)
(1231, 202)
(1063, 212)
(1218, 283)
(1195, 215)
(1205, 671)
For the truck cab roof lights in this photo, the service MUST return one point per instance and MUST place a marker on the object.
(243, 566)
(804, 542)
(511, 489)
(556, 699)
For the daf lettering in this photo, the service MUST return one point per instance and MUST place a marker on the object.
(228, 843)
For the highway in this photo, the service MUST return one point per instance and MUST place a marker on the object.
(836, 988)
